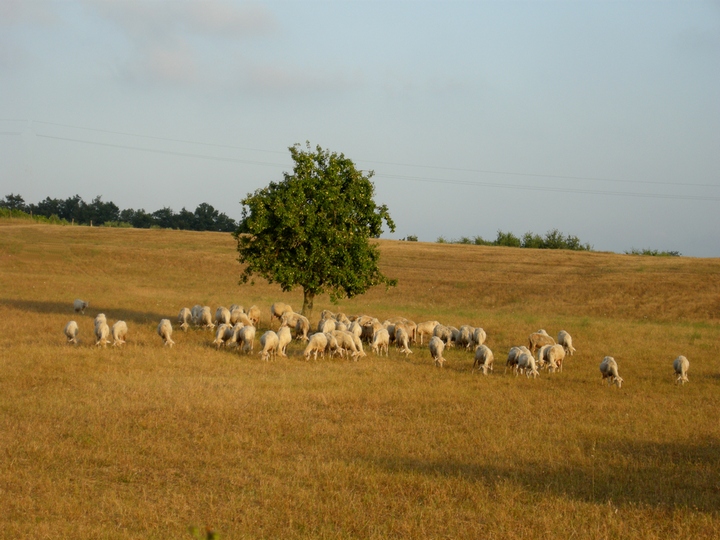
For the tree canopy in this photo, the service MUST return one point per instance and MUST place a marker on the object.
(313, 229)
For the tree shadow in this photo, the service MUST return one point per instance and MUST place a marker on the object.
(662, 475)
(65, 308)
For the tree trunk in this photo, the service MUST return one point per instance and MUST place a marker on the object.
(308, 297)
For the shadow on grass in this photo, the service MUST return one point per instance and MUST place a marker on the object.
(138, 317)
(662, 475)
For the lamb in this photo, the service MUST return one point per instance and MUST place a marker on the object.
(437, 346)
(565, 340)
(269, 342)
(426, 329)
(246, 337)
(164, 330)
(119, 332)
(538, 339)
(526, 364)
(317, 343)
(80, 305)
(609, 371)
(71, 332)
(681, 366)
(555, 354)
(184, 318)
(284, 338)
(483, 359)
(222, 316)
(205, 318)
(277, 310)
(380, 342)
(102, 332)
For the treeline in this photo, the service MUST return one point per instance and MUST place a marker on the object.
(553, 239)
(98, 212)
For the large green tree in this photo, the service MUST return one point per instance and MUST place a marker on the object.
(313, 229)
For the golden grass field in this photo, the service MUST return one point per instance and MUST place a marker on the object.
(146, 441)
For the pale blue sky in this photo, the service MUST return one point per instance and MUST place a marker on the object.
(600, 119)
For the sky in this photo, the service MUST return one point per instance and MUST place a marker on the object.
(600, 119)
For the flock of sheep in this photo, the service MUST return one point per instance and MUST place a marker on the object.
(338, 334)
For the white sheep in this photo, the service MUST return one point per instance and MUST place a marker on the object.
(223, 334)
(346, 343)
(164, 330)
(402, 340)
(526, 364)
(102, 332)
(71, 332)
(513, 355)
(277, 310)
(184, 318)
(253, 313)
(80, 305)
(437, 347)
(479, 337)
(327, 325)
(426, 329)
(609, 371)
(119, 332)
(554, 355)
(222, 316)
(483, 359)
(465, 336)
(681, 366)
(284, 338)
(99, 319)
(381, 342)
(239, 316)
(269, 343)
(444, 333)
(246, 338)
(317, 343)
(205, 318)
(565, 340)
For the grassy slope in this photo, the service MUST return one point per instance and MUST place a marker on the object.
(144, 441)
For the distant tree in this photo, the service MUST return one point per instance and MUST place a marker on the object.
(185, 220)
(164, 218)
(313, 229)
(47, 207)
(73, 209)
(507, 239)
(14, 202)
(99, 212)
(530, 240)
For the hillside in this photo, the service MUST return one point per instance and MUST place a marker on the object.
(144, 441)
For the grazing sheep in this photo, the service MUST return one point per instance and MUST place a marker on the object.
(437, 346)
(609, 370)
(554, 355)
(246, 337)
(402, 340)
(317, 343)
(513, 355)
(222, 316)
(538, 339)
(99, 319)
(681, 366)
(465, 336)
(240, 317)
(444, 333)
(565, 340)
(223, 334)
(277, 310)
(119, 332)
(205, 318)
(253, 313)
(426, 329)
(269, 343)
(479, 337)
(184, 318)
(346, 342)
(71, 332)
(164, 330)
(326, 325)
(381, 342)
(102, 332)
(236, 307)
(542, 360)
(195, 313)
(80, 305)
(526, 364)
(484, 359)
(284, 338)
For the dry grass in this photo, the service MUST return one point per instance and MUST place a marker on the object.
(143, 442)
